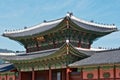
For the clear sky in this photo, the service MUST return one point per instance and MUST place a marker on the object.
(16, 14)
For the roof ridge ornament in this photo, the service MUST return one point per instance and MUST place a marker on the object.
(69, 14)
(44, 21)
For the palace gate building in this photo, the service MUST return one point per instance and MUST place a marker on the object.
(61, 50)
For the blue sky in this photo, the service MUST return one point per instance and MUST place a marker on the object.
(16, 14)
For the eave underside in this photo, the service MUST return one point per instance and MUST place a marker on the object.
(59, 59)
(61, 30)
(67, 28)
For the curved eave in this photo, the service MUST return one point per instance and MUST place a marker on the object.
(93, 26)
(47, 26)
(46, 56)
(28, 57)
(6, 67)
(33, 30)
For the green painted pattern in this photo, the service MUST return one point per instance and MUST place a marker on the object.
(7, 73)
(58, 59)
(106, 67)
(90, 68)
(66, 31)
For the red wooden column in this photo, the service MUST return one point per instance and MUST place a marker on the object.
(98, 72)
(50, 74)
(19, 75)
(6, 76)
(33, 74)
(114, 71)
(67, 73)
(63, 74)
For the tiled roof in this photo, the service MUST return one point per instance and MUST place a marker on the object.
(93, 26)
(51, 24)
(33, 30)
(40, 54)
(6, 67)
(105, 57)
(29, 55)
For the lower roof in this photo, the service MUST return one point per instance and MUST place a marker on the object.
(105, 57)
(29, 55)
(62, 56)
(41, 54)
(98, 58)
(6, 67)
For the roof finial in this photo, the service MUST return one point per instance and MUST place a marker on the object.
(44, 21)
(25, 27)
(69, 14)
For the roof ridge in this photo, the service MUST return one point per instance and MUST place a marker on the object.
(54, 20)
(93, 23)
(108, 50)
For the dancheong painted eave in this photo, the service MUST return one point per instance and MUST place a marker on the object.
(45, 54)
(45, 26)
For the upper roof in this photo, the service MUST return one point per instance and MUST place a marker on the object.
(7, 54)
(105, 57)
(87, 25)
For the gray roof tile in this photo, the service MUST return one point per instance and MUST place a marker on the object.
(30, 55)
(6, 67)
(106, 57)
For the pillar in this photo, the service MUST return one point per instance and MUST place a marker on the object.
(6, 76)
(33, 74)
(98, 72)
(114, 72)
(63, 74)
(67, 73)
(50, 74)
